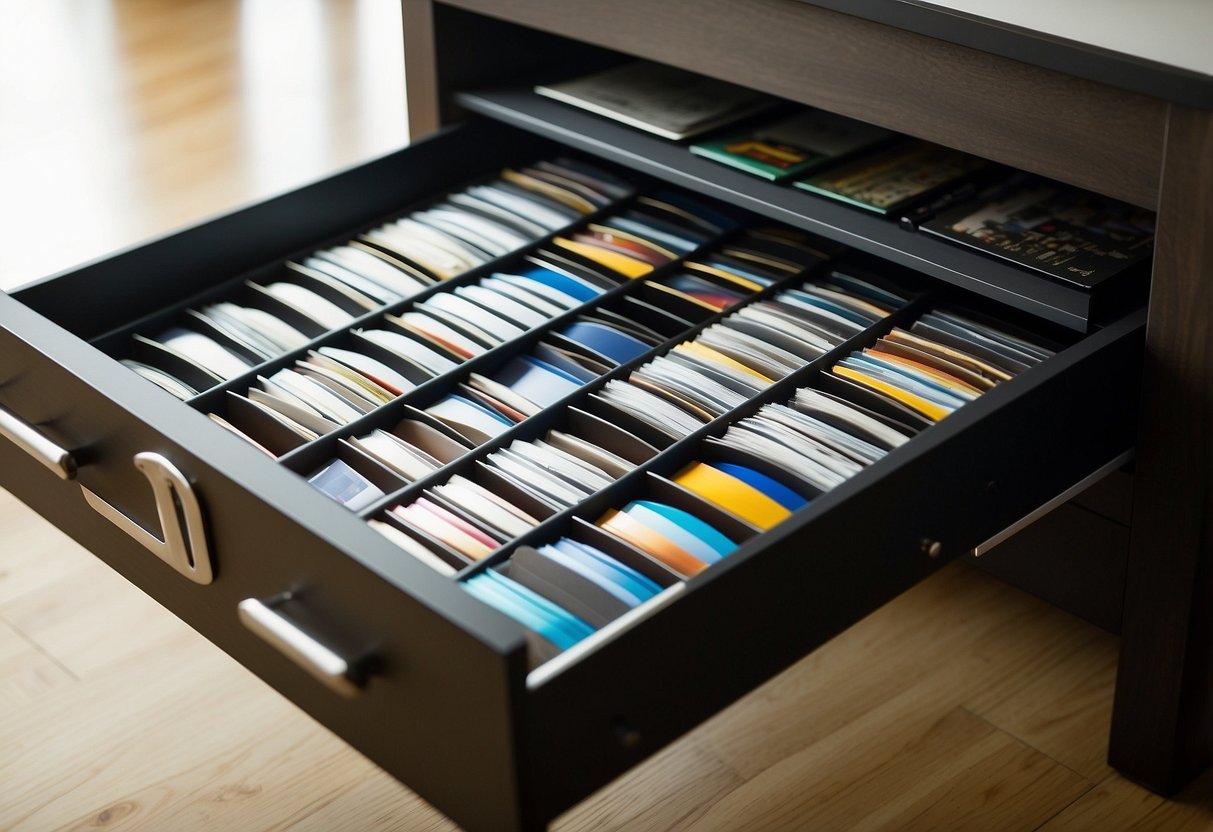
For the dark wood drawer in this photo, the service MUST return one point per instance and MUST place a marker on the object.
(441, 692)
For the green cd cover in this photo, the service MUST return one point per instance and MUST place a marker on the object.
(794, 145)
(892, 179)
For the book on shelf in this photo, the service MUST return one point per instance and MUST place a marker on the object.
(793, 145)
(890, 180)
(1064, 232)
(662, 100)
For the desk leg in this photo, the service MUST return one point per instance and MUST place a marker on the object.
(1162, 722)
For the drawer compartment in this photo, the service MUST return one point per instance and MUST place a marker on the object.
(429, 682)
(851, 550)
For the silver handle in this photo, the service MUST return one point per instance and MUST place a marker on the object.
(338, 673)
(38, 446)
(184, 549)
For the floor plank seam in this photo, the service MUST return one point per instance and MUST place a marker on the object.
(1085, 792)
(42, 650)
(1025, 742)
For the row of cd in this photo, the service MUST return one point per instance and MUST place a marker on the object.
(534, 374)
(630, 419)
(402, 258)
(600, 271)
(741, 481)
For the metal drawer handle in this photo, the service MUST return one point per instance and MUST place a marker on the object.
(338, 673)
(25, 437)
(184, 549)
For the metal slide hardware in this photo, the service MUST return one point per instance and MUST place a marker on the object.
(1064, 497)
(184, 546)
(28, 439)
(341, 675)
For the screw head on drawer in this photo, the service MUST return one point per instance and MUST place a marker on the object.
(931, 548)
(627, 736)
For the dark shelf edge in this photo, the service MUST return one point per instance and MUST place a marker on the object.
(1037, 295)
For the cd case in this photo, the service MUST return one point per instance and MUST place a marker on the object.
(794, 145)
(1076, 236)
(662, 100)
(896, 178)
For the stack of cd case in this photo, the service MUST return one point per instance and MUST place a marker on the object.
(473, 376)
(1042, 225)
(583, 563)
(597, 388)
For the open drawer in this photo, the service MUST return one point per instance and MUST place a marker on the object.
(398, 659)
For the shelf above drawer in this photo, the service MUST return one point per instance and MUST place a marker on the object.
(1049, 299)
(1108, 141)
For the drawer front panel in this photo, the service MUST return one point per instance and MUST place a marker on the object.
(791, 589)
(432, 685)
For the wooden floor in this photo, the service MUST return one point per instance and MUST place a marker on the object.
(962, 705)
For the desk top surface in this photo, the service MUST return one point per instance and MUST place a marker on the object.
(1162, 48)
